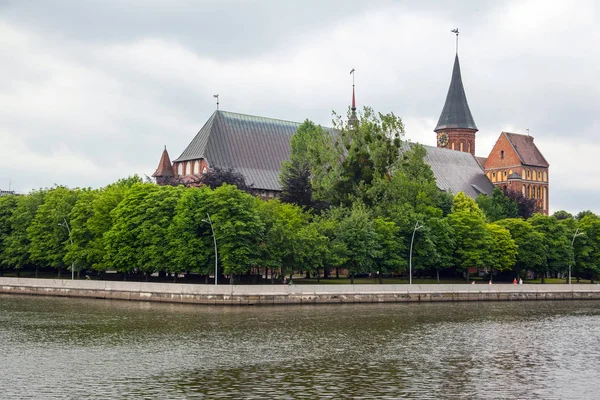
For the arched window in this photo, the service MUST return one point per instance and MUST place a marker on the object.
(524, 190)
(180, 168)
(539, 195)
(545, 177)
(469, 147)
(461, 146)
(502, 154)
(452, 146)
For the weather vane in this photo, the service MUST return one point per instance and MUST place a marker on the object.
(216, 96)
(455, 30)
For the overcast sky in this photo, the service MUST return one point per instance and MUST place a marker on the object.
(91, 90)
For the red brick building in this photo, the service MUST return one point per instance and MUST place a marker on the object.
(514, 163)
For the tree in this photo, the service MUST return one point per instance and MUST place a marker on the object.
(556, 241)
(472, 239)
(389, 258)
(580, 215)
(137, 240)
(295, 182)
(237, 227)
(367, 152)
(358, 233)
(189, 236)
(281, 247)
(49, 232)
(587, 246)
(8, 206)
(434, 246)
(531, 249)
(498, 206)
(562, 215)
(525, 206)
(16, 253)
(503, 249)
(306, 178)
(218, 176)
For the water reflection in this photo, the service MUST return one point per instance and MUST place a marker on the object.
(57, 348)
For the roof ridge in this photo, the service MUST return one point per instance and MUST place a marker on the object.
(258, 116)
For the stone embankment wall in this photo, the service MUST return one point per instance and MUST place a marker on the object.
(293, 294)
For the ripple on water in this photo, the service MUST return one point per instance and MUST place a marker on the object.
(68, 348)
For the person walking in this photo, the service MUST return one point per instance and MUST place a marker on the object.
(515, 281)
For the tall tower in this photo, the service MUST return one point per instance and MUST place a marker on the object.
(456, 128)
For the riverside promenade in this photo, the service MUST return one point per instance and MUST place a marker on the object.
(295, 294)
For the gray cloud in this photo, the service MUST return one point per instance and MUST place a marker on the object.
(96, 88)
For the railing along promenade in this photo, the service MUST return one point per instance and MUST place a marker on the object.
(295, 294)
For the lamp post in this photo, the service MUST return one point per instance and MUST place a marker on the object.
(209, 221)
(577, 233)
(417, 227)
(66, 225)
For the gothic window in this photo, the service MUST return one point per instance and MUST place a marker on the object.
(545, 177)
(180, 168)
(469, 147)
(502, 154)
(461, 146)
(189, 168)
(539, 196)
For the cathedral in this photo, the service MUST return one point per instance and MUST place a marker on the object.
(256, 147)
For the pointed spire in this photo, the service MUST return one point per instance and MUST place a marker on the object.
(353, 121)
(456, 113)
(165, 168)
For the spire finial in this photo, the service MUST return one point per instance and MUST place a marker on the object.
(165, 146)
(455, 31)
(353, 98)
(217, 97)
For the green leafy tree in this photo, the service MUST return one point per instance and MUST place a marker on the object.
(562, 214)
(389, 258)
(556, 241)
(137, 240)
(586, 213)
(531, 248)
(586, 246)
(16, 253)
(434, 246)
(281, 246)
(472, 239)
(503, 249)
(49, 230)
(189, 235)
(238, 228)
(8, 206)
(367, 152)
(358, 233)
(498, 206)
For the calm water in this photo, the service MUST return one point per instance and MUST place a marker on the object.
(74, 348)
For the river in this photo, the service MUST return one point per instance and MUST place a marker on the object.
(56, 348)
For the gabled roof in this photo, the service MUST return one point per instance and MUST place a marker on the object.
(253, 146)
(256, 147)
(457, 171)
(164, 165)
(526, 150)
(456, 113)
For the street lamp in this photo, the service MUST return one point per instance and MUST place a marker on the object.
(417, 227)
(66, 225)
(577, 233)
(209, 221)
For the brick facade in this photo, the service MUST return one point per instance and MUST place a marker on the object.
(507, 167)
(459, 139)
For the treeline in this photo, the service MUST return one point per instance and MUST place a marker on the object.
(354, 200)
